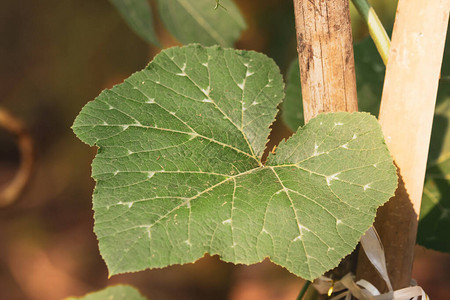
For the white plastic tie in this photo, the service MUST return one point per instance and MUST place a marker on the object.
(363, 289)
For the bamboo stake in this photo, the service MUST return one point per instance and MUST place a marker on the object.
(406, 117)
(325, 50)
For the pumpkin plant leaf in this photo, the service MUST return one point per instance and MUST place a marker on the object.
(434, 220)
(369, 70)
(118, 292)
(198, 22)
(292, 106)
(138, 15)
(179, 171)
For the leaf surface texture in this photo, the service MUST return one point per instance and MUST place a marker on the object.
(179, 170)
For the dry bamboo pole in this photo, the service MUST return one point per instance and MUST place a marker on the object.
(406, 117)
(325, 51)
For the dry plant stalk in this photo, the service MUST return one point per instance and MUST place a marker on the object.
(325, 50)
(25, 143)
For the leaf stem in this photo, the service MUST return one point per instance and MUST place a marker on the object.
(218, 4)
(303, 290)
(376, 29)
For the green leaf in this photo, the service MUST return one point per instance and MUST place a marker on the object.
(196, 21)
(179, 169)
(138, 15)
(292, 106)
(118, 292)
(369, 70)
(434, 223)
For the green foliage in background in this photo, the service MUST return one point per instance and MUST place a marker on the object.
(138, 15)
(292, 106)
(179, 169)
(196, 21)
(189, 21)
(434, 220)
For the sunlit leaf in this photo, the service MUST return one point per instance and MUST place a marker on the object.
(179, 170)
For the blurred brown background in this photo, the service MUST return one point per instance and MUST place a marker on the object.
(54, 57)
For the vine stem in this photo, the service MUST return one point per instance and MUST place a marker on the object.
(376, 29)
(303, 290)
